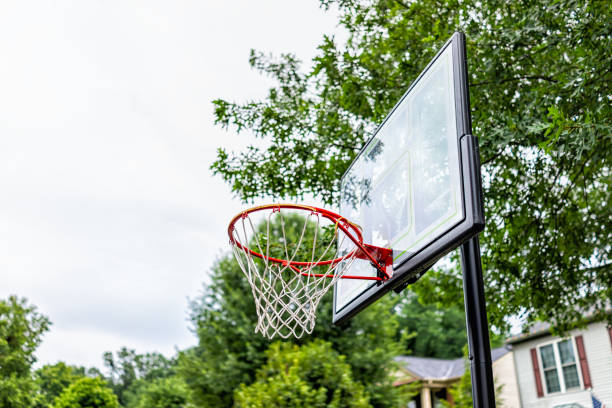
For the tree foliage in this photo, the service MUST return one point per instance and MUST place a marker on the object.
(429, 331)
(52, 379)
(87, 393)
(541, 105)
(311, 375)
(168, 392)
(229, 352)
(21, 330)
(130, 372)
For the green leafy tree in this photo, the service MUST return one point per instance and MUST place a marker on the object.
(434, 330)
(21, 330)
(229, 352)
(87, 393)
(168, 392)
(52, 379)
(431, 331)
(130, 371)
(311, 375)
(540, 94)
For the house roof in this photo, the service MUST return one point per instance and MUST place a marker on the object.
(538, 329)
(427, 368)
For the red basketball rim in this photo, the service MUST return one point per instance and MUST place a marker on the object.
(351, 230)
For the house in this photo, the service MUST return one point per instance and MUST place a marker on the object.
(534, 370)
(559, 372)
(437, 375)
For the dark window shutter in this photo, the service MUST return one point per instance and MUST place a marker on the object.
(584, 365)
(536, 372)
(610, 334)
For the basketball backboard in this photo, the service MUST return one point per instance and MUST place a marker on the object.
(415, 186)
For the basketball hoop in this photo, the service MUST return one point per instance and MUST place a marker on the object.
(288, 279)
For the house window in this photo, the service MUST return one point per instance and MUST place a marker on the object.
(559, 366)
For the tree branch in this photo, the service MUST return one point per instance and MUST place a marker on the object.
(402, 4)
(495, 156)
(343, 146)
(542, 77)
(595, 268)
(576, 176)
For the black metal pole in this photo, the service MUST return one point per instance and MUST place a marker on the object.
(483, 390)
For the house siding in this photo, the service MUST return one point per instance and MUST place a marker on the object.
(504, 374)
(599, 357)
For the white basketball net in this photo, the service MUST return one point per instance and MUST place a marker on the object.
(286, 300)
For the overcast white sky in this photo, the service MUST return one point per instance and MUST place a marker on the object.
(109, 216)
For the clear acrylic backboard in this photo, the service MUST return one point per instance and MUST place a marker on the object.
(415, 186)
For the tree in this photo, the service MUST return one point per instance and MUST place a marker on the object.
(51, 380)
(130, 371)
(87, 393)
(168, 392)
(21, 330)
(229, 352)
(430, 331)
(540, 95)
(311, 375)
